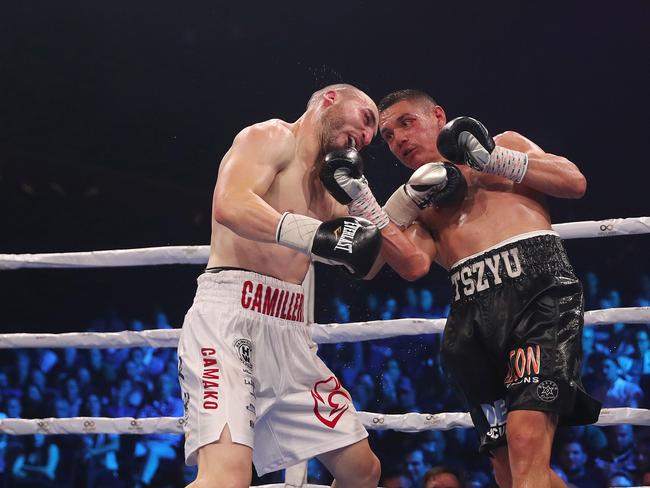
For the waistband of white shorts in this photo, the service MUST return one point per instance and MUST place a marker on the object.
(219, 281)
(254, 292)
(509, 240)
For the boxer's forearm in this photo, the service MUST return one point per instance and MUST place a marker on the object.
(401, 254)
(554, 176)
(547, 173)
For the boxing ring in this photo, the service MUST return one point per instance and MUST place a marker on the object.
(322, 334)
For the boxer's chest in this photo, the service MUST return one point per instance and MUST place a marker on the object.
(296, 190)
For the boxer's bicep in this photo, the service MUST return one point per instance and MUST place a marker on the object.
(246, 174)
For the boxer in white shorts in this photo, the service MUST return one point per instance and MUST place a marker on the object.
(253, 387)
(257, 372)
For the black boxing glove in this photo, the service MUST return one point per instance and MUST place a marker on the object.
(351, 242)
(431, 185)
(465, 140)
(342, 175)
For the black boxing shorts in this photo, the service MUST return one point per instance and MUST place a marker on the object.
(513, 338)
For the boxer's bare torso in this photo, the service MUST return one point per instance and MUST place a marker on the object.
(293, 188)
(494, 210)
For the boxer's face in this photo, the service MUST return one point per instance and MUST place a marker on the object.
(411, 128)
(350, 120)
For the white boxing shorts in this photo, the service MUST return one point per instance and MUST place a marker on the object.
(247, 360)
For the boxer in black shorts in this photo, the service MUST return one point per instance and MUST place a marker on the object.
(513, 338)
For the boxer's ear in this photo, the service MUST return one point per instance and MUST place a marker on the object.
(440, 116)
(329, 98)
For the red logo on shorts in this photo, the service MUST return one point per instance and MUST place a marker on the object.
(336, 410)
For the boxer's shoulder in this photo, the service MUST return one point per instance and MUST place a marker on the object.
(516, 141)
(275, 130)
(273, 140)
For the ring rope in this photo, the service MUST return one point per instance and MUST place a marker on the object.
(407, 422)
(199, 254)
(321, 333)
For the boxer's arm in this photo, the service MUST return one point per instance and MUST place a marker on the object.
(408, 256)
(547, 173)
(410, 253)
(247, 171)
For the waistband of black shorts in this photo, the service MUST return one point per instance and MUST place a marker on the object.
(543, 253)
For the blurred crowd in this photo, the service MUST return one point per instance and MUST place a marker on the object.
(395, 375)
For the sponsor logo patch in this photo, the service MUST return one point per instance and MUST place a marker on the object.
(524, 364)
(244, 349)
(331, 401)
(548, 391)
(346, 235)
(496, 415)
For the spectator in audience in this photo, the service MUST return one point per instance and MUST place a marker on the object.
(73, 397)
(590, 437)
(617, 343)
(46, 360)
(373, 311)
(614, 391)
(396, 479)
(591, 292)
(161, 446)
(121, 406)
(67, 365)
(99, 451)
(443, 477)
(34, 403)
(478, 479)
(39, 379)
(433, 444)
(13, 407)
(620, 455)
(573, 460)
(21, 371)
(619, 479)
(317, 474)
(363, 392)
(406, 395)
(85, 381)
(641, 355)
(426, 305)
(416, 465)
(36, 467)
(389, 311)
(103, 373)
(411, 309)
(643, 298)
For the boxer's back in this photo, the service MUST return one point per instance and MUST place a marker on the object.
(293, 189)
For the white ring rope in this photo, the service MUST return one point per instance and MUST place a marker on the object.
(408, 422)
(321, 333)
(199, 254)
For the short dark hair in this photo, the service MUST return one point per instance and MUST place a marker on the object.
(436, 470)
(406, 94)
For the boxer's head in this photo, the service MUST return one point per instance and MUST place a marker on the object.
(409, 122)
(347, 115)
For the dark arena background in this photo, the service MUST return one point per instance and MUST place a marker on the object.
(114, 117)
